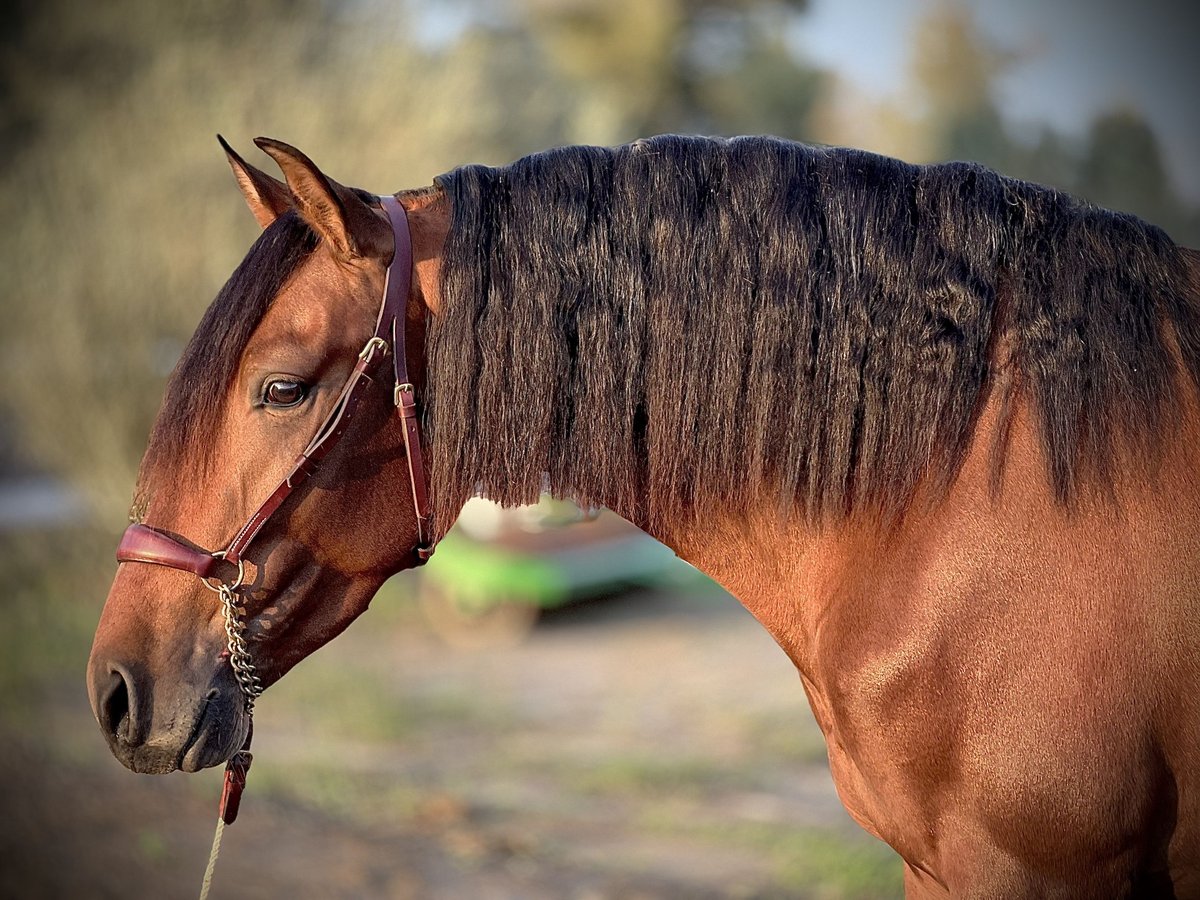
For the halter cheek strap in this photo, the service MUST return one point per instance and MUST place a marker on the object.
(145, 544)
(404, 395)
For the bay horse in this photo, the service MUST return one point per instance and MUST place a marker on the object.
(936, 428)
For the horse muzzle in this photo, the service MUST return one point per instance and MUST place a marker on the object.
(155, 729)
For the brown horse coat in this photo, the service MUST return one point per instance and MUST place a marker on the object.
(999, 639)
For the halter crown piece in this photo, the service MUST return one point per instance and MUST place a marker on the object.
(145, 544)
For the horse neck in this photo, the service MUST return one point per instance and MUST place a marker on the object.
(766, 561)
(795, 575)
(769, 565)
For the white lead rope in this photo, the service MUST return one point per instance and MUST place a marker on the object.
(239, 763)
(212, 859)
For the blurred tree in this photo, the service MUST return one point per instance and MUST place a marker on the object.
(123, 220)
(954, 68)
(1122, 164)
(1118, 164)
(761, 87)
(1050, 159)
(1122, 168)
(641, 67)
(114, 243)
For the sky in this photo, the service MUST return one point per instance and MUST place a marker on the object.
(1079, 58)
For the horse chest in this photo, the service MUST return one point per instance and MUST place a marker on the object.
(881, 702)
(963, 729)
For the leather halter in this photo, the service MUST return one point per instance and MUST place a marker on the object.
(145, 544)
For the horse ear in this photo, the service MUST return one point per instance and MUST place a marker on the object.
(267, 197)
(335, 212)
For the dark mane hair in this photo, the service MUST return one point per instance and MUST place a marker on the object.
(679, 321)
(211, 358)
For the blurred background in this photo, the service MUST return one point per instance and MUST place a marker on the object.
(617, 727)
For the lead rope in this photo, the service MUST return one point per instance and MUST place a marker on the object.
(239, 763)
(206, 884)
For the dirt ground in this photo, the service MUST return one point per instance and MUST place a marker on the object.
(653, 745)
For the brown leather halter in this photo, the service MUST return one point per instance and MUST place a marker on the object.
(145, 544)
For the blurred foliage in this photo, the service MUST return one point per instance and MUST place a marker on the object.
(1118, 164)
(48, 623)
(123, 222)
(949, 110)
(640, 67)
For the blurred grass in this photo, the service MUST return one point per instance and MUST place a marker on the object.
(812, 862)
(687, 776)
(519, 771)
(353, 702)
(345, 736)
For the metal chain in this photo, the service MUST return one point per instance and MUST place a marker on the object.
(239, 653)
(247, 679)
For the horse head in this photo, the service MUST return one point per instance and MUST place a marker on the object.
(267, 369)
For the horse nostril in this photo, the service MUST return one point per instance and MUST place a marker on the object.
(116, 710)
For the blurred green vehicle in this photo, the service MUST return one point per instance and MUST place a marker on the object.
(499, 568)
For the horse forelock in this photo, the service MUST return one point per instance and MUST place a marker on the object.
(182, 439)
(680, 321)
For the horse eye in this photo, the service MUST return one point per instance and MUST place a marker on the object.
(283, 393)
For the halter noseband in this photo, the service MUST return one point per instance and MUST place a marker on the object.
(144, 544)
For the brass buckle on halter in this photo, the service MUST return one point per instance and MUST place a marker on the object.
(399, 389)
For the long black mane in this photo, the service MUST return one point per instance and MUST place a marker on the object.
(682, 321)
